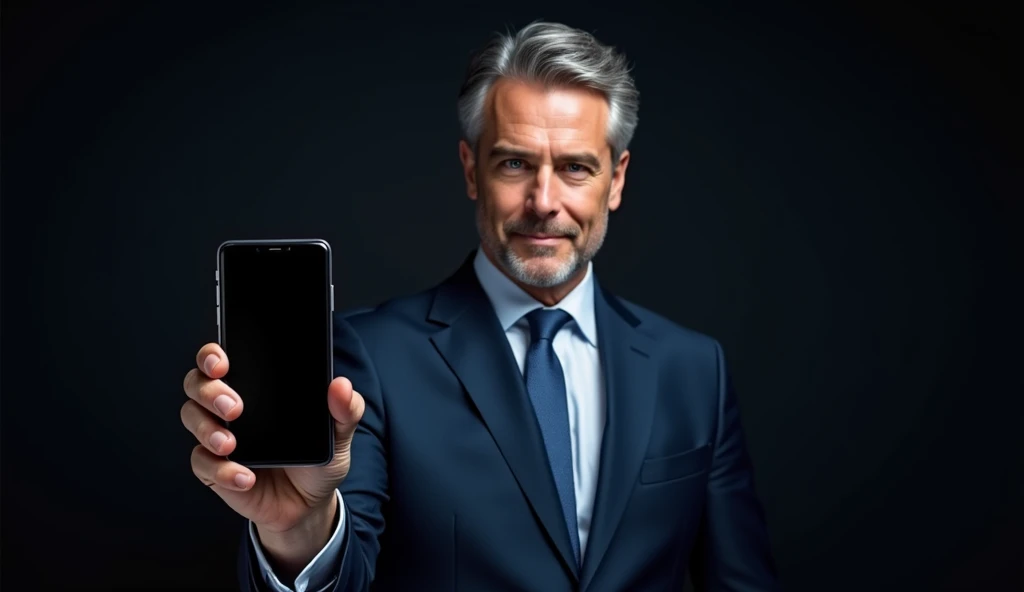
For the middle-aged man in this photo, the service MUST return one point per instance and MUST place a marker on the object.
(516, 427)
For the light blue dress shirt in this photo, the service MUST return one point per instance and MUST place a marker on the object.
(576, 347)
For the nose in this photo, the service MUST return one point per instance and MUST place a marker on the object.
(543, 197)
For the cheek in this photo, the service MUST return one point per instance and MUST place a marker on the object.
(588, 213)
(501, 203)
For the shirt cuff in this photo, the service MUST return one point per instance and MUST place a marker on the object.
(318, 572)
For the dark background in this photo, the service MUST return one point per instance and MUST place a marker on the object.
(834, 194)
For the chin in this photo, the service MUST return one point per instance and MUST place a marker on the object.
(543, 267)
(541, 257)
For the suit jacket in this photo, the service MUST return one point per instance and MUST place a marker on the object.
(449, 487)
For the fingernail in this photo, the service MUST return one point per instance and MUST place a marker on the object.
(224, 404)
(210, 363)
(217, 440)
(242, 480)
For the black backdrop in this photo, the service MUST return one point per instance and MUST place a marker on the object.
(832, 194)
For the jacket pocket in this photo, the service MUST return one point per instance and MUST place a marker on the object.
(677, 466)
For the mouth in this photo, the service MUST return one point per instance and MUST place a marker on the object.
(541, 239)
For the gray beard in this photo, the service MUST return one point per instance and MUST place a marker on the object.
(518, 268)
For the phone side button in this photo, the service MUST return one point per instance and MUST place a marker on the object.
(332, 297)
(218, 315)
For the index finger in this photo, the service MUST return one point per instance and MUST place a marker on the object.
(212, 361)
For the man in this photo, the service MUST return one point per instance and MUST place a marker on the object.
(517, 427)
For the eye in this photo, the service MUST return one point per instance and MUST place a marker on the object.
(513, 163)
(578, 170)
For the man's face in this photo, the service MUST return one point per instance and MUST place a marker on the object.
(542, 178)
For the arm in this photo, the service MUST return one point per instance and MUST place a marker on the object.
(350, 556)
(732, 551)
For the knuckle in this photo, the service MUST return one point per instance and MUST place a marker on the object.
(206, 393)
(189, 379)
(196, 460)
(199, 466)
(204, 428)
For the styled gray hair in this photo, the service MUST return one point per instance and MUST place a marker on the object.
(552, 54)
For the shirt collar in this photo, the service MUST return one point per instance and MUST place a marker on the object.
(511, 302)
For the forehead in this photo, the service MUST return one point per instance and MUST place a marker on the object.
(538, 118)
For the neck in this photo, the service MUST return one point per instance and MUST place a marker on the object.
(549, 296)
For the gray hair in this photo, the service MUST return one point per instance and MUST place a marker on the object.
(554, 55)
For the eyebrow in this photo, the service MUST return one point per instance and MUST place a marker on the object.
(585, 158)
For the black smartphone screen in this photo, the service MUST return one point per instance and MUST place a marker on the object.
(275, 315)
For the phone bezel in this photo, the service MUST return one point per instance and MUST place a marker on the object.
(330, 333)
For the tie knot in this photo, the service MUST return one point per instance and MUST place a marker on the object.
(545, 323)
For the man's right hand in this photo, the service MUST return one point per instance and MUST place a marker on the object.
(289, 506)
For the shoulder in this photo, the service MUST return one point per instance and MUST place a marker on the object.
(669, 337)
(658, 326)
(388, 319)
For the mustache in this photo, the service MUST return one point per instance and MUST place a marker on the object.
(537, 226)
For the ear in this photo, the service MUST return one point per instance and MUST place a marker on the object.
(468, 168)
(618, 181)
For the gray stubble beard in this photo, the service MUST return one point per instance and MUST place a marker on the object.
(519, 269)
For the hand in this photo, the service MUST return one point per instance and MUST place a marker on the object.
(275, 500)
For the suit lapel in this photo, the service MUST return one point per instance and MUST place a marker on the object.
(631, 388)
(474, 346)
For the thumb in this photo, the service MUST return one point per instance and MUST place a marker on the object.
(346, 407)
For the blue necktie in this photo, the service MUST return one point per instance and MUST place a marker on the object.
(546, 385)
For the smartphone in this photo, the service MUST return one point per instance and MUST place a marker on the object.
(275, 302)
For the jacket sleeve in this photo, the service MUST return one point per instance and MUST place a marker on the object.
(364, 489)
(733, 551)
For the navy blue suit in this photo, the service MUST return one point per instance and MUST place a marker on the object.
(449, 487)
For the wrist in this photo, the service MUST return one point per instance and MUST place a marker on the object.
(292, 549)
